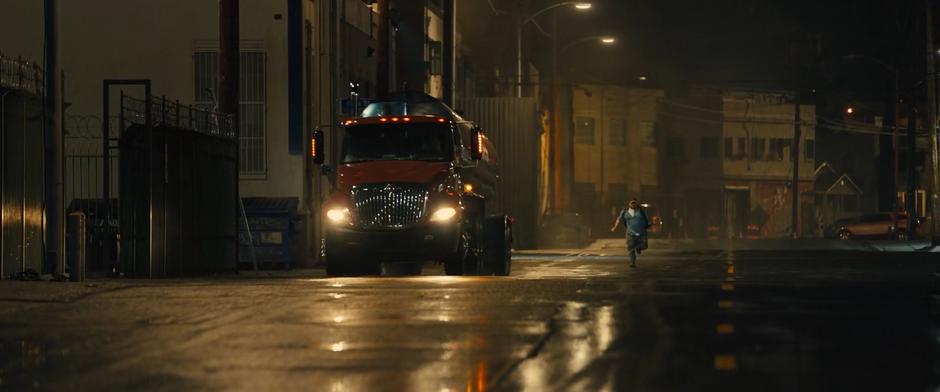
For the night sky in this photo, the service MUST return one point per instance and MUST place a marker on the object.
(741, 42)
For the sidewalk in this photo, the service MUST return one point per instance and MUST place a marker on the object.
(617, 245)
(815, 244)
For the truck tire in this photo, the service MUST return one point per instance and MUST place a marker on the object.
(454, 265)
(497, 245)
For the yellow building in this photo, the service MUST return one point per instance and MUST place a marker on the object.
(615, 154)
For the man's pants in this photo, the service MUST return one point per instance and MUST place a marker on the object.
(635, 243)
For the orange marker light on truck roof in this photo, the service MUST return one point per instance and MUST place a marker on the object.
(398, 120)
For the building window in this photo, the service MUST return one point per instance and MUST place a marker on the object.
(618, 132)
(675, 149)
(584, 130)
(758, 149)
(778, 149)
(741, 153)
(809, 149)
(648, 133)
(252, 110)
(709, 148)
(920, 202)
(729, 148)
(436, 57)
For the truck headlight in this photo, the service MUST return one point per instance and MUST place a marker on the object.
(443, 214)
(338, 215)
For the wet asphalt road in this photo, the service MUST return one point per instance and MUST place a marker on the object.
(582, 321)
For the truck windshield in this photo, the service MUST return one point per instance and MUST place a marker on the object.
(405, 142)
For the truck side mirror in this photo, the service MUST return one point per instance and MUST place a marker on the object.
(316, 147)
(476, 143)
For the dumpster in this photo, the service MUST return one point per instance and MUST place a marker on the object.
(272, 222)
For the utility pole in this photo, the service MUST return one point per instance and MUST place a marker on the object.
(55, 227)
(450, 52)
(383, 77)
(518, 77)
(911, 202)
(555, 153)
(228, 88)
(795, 155)
(932, 124)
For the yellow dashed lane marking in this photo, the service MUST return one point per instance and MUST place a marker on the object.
(725, 328)
(730, 269)
(727, 286)
(726, 363)
(725, 304)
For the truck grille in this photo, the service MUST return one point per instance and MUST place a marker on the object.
(389, 205)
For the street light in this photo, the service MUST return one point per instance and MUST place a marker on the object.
(578, 5)
(606, 40)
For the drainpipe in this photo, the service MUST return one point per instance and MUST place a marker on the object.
(55, 233)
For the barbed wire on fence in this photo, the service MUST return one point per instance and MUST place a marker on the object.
(21, 74)
(174, 114)
(83, 133)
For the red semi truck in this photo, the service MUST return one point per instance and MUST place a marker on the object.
(412, 184)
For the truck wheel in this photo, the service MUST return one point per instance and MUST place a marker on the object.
(454, 265)
(497, 245)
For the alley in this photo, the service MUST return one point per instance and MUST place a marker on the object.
(566, 320)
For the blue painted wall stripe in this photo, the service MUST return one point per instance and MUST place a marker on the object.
(295, 77)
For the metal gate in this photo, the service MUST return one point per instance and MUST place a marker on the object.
(84, 184)
(513, 125)
(177, 184)
(158, 190)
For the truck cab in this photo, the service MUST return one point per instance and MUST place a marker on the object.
(412, 184)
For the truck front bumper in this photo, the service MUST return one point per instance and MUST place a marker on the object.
(420, 243)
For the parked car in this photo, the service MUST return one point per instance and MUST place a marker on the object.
(563, 230)
(885, 225)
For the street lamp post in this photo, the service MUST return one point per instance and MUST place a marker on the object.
(556, 137)
(579, 5)
(894, 141)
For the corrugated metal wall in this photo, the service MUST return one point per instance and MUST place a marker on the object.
(21, 182)
(513, 126)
